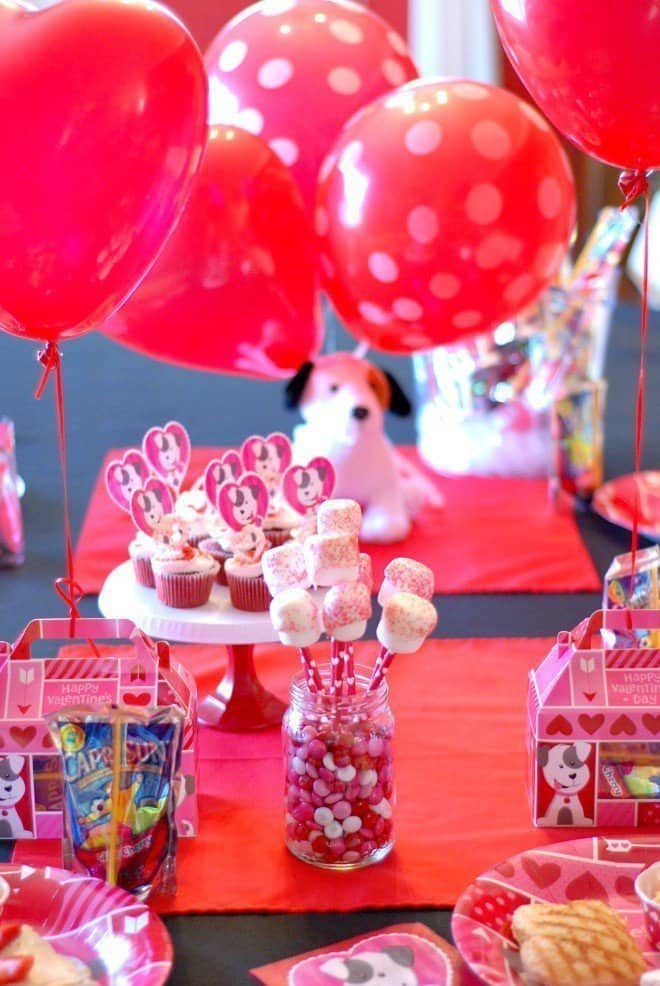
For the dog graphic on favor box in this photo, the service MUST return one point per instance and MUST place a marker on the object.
(565, 770)
(12, 789)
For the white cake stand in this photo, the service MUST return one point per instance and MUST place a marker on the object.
(240, 703)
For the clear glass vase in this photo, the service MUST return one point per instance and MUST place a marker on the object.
(339, 787)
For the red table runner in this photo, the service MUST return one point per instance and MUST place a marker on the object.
(493, 535)
(460, 768)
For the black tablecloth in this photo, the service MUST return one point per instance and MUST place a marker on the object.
(112, 397)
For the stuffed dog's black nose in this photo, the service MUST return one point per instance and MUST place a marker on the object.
(360, 413)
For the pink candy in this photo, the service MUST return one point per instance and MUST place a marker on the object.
(346, 609)
(332, 558)
(406, 575)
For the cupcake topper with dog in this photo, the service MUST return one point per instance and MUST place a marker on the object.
(126, 475)
(168, 451)
(243, 505)
(305, 487)
(269, 458)
(219, 471)
(152, 510)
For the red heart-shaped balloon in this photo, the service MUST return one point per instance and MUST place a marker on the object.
(103, 126)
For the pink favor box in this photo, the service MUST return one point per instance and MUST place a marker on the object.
(594, 725)
(31, 688)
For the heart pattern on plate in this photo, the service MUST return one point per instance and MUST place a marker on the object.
(542, 874)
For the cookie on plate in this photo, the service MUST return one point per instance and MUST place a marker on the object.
(584, 943)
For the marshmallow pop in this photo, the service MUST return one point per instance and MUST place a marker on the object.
(405, 623)
(406, 575)
(284, 568)
(297, 621)
(346, 609)
(332, 558)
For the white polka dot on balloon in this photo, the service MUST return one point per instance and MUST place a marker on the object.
(286, 150)
(467, 320)
(549, 198)
(275, 73)
(548, 259)
(347, 32)
(423, 137)
(536, 118)
(351, 154)
(519, 289)
(408, 309)
(496, 249)
(383, 267)
(344, 81)
(372, 313)
(397, 42)
(394, 72)
(271, 8)
(491, 140)
(470, 90)
(251, 120)
(444, 286)
(423, 224)
(232, 56)
(321, 221)
(484, 204)
(327, 166)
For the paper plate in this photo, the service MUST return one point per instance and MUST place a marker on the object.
(120, 939)
(615, 502)
(585, 868)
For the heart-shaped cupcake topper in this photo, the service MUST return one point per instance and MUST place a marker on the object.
(223, 470)
(167, 450)
(244, 502)
(126, 475)
(268, 457)
(150, 504)
(305, 487)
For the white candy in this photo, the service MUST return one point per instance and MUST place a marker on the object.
(352, 824)
(347, 773)
(368, 778)
(329, 762)
(383, 808)
(323, 816)
(299, 766)
(333, 830)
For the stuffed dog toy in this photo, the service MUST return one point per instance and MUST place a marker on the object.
(343, 400)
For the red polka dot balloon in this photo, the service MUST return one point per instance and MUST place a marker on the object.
(444, 209)
(294, 71)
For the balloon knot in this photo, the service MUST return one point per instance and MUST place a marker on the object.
(632, 184)
(49, 359)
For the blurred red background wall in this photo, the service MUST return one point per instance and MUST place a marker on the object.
(204, 18)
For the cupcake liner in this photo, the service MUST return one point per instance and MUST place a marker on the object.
(248, 593)
(144, 573)
(277, 536)
(185, 590)
(213, 548)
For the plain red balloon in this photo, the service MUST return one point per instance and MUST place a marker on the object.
(294, 71)
(592, 67)
(444, 208)
(234, 288)
(102, 108)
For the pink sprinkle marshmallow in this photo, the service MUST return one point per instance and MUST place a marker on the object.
(294, 613)
(406, 622)
(365, 573)
(332, 558)
(406, 575)
(339, 517)
(344, 604)
(284, 568)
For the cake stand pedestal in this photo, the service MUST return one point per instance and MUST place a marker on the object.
(240, 702)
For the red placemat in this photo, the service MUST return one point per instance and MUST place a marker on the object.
(493, 535)
(460, 767)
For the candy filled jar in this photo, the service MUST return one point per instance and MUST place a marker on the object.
(339, 790)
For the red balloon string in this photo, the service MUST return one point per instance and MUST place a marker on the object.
(67, 588)
(634, 184)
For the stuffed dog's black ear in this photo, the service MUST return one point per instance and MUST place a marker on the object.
(295, 387)
(399, 403)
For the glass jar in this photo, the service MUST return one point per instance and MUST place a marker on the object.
(339, 793)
